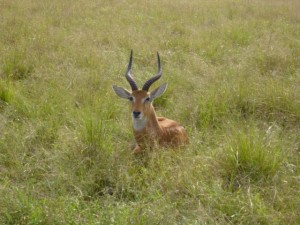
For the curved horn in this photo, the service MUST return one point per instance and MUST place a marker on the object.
(155, 78)
(128, 76)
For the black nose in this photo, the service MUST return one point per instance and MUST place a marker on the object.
(136, 114)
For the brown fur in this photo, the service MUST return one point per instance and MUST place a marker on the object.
(158, 131)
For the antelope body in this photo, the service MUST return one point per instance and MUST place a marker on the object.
(150, 130)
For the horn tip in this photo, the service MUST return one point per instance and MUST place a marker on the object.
(131, 53)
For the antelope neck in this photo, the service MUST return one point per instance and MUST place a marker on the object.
(148, 122)
(139, 124)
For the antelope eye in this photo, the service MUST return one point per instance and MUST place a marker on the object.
(130, 99)
(147, 99)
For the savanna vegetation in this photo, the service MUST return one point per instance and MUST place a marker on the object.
(233, 69)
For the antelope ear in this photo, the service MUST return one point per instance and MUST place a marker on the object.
(121, 92)
(158, 91)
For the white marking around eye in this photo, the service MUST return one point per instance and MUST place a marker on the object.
(144, 99)
(133, 98)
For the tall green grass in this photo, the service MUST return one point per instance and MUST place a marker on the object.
(65, 138)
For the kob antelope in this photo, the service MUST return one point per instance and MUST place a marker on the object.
(150, 130)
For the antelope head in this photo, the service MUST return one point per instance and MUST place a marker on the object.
(141, 99)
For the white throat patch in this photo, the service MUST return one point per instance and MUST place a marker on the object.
(139, 124)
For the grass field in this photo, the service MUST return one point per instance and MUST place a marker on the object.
(233, 69)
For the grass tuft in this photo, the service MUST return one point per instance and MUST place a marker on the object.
(6, 92)
(249, 158)
(17, 67)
